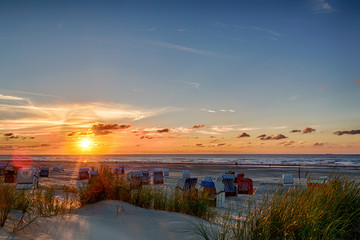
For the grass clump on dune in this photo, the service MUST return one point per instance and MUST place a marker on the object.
(330, 211)
(107, 186)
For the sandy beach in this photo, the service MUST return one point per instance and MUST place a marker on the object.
(103, 220)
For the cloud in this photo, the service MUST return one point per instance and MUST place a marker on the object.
(182, 48)
(261, 136)
(198, 126)
(8, 136)
(182, 30)
(318, 144)
(3, 97)
(165, 130)
(308, 130)
(287, 143)
(104, 129)
(193, 84)
(220, 144)
(208, 110)
(20, 114)
(321, 6)
(152, 29)
(278, 137)
(357, 80)
(295, 131)
(351, 132)
(244, 134)
(199, 145)
(227, 110)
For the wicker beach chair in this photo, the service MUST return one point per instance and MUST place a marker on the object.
(135, 179)
(44, 171)
(228, 181)
(145, 177)
(209, 191)
(245, 185)
(27, 178)
(84, 173)
(158, 176)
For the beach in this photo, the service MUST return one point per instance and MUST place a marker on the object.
(104, 220)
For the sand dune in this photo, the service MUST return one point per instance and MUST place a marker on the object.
(106, 220)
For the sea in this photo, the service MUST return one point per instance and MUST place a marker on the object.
(260, 159)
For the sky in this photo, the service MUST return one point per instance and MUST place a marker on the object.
(179, 77)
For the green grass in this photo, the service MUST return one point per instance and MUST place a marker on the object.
(331, 211)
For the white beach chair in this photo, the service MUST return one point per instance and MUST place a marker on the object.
(166, 172)
(27, 178)
(186, 174)
(287, 179)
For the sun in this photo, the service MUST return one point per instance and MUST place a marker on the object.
(86, 143)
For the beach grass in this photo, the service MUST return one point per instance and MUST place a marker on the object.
(329, 211)
(107, 186)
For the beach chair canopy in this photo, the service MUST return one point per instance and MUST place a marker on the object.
(186, 174)
(84, 170)
(209, 184)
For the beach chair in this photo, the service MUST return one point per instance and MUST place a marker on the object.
(83, 173)
(166, 172)
(228, 181)
(245, 185)
(188, 188)
(27, 178)
(209, 191)
(44, 171)
(287, 179)
(135, 179)
(93, 173)
(10, 175)
(119, 171)
(317, 182)
(158, 176)
(58, 168)
(186, 174)
(145, 177)
(2, 170)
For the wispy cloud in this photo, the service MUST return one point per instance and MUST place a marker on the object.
(270, 34)
(182, 48)
(357, 80)
(4, 97)
(208, 110)
(16, 113)
(321, 6)
(193, 84)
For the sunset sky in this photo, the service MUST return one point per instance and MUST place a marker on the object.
(120, 77)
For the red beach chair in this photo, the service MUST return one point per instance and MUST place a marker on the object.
(245, 185)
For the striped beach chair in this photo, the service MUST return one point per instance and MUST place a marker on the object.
(317, 182)
(229, 187)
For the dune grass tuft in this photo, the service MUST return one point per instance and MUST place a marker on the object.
(107, 186)
(330, 211)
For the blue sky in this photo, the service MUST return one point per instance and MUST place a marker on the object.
(236, 65)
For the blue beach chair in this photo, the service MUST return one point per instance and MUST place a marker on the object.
(229, 187)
